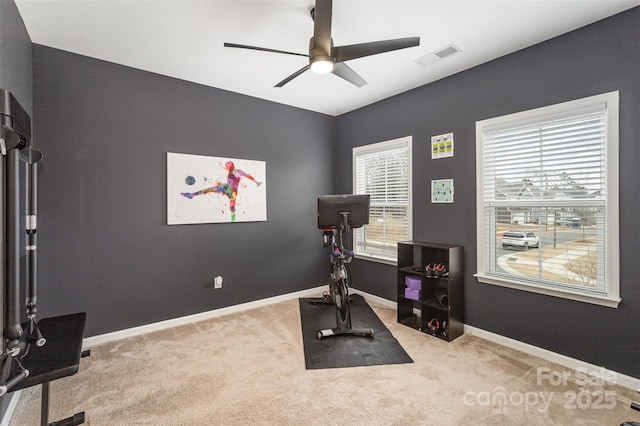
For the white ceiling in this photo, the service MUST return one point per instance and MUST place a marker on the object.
(184, 39)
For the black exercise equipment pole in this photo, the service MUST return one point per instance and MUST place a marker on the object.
(31, 156)
(30, 227)
(3, 226)
(13, 330)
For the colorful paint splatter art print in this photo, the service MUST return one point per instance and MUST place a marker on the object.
(203, 189)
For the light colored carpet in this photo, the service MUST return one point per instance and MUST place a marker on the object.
(248, 369)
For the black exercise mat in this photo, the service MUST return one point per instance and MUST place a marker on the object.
(347, 350)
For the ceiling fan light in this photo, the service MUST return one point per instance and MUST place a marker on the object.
(322, 65)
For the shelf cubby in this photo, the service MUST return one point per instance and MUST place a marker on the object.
(413, 257)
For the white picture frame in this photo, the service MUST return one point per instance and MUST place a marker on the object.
(205, 189)
(442, 146)
(442, 191)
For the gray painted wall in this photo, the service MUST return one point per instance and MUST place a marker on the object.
(104, 246)
(15, 55)
(601, 57)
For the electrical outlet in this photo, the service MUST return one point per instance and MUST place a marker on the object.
(217, 282)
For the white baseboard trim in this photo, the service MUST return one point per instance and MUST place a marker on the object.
(174, 322)
(385, 303)
(622, 380)
(6, 416)
(565, 361)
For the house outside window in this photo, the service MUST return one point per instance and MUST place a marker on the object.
(383, 170)
(547, 200)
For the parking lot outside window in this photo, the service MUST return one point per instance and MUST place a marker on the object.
(547, 204)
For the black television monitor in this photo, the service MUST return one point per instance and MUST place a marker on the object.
(330, 208)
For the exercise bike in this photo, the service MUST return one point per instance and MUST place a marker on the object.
(342, 207)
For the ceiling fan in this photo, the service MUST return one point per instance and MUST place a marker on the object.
(326, 58)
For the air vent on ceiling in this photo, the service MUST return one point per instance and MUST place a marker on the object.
(438, 55)
(447, 51)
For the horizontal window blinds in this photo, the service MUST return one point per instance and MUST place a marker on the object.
(547, 174)
(557, 159)
(383, 172)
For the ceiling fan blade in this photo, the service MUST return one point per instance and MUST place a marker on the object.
(342, 70)
(264, 49)
(354, 51)
(292, 76)
(322, 26)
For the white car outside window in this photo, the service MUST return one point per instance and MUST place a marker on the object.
(522, 239)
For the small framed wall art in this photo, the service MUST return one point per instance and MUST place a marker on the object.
(442, 191)
(442, 146)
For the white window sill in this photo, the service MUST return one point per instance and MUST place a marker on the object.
(596, 299)
(377, 259)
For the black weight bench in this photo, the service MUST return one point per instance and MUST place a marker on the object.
(59, 357)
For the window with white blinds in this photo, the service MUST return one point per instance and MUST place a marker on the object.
(548, 200)
(383, 170)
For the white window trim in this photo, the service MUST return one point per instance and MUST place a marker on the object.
(612, 299)
(375, 147)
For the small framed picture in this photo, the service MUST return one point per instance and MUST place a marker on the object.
(442, 191)
(442, 146)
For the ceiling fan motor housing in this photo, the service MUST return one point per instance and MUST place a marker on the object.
(324, 58)
(320, 61)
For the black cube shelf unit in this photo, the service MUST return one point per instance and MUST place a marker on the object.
(440, 299)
